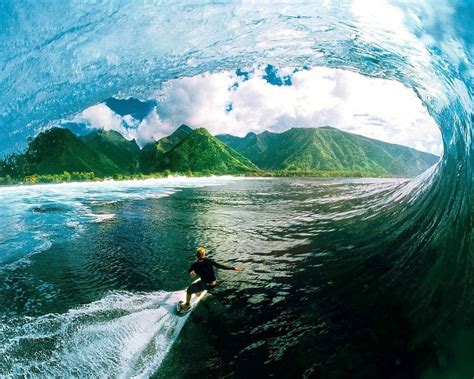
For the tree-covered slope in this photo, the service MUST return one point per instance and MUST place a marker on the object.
(118, 149)
(328, 149)
(57, 150)
(201, 152)
(152, 154)
(297, 151)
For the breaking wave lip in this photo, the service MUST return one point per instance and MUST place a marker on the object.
(122, 335)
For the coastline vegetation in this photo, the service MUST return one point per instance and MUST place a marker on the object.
(67, 177)
(59, 156)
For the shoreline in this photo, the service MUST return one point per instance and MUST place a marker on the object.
(253, 175)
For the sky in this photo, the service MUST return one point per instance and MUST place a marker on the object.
(274, 99)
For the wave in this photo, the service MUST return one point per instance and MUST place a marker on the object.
(122, 335)
(129, 49)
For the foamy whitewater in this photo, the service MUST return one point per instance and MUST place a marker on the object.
(123, 335)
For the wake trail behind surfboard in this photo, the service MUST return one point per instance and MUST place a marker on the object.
(122, 335)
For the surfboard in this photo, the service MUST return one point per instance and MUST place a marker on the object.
(194, 301)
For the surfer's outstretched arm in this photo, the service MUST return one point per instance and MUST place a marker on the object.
(224, 267)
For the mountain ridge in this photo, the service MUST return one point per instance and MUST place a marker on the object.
(199, 151)
(328, 149)
(57, 150)
(115, 146)
(153, 152)
(324, 151)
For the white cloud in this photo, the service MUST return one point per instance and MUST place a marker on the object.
(101, 116)
(376, 108)
(152, 128)
(199, 101)
(130, 121)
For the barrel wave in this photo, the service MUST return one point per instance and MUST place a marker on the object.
(408, 276)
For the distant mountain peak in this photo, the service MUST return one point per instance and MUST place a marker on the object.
(180, 132)
(57, 150)
(55, 130)
(152, 153)
(328, 149)
(184, 128)
(199, 151)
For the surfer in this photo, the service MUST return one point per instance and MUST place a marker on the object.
(204, 268)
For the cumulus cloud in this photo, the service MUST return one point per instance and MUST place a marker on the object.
(237, 103)
(375, 108)
(151, 128)
(101, 116)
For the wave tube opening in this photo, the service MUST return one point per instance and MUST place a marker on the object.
(271, 99)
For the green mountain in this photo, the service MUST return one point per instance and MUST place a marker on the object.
(199, 151)
(152, 154)
(112, 144)
(57, 150)
(328, 149)
(298, 151)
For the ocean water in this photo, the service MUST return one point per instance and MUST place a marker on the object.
(342, 279)
(106, 263)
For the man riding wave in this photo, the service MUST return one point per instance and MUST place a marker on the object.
(204, 268)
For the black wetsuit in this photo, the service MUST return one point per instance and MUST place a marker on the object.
(204, 268)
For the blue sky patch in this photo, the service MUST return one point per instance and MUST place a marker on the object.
(271, 76)
(78, 128)
(242, 74)
(136, 108)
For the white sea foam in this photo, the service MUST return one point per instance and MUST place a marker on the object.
(128, 335)
(100, 217)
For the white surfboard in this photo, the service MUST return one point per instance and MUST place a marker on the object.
(194, 301)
